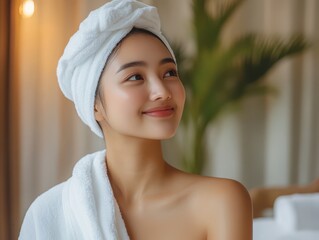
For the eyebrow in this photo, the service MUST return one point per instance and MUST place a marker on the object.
(142, 63)
(167, 60)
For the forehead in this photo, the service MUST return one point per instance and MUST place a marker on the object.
(141, 47)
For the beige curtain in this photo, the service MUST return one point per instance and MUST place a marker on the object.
(272, 141)
(52, 136)
(9, 127)
(269, 141)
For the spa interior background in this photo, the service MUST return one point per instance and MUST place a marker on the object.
(267, 141)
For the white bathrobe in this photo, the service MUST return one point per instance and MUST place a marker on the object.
(83, 207)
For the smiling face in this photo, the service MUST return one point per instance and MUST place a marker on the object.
(141, 94)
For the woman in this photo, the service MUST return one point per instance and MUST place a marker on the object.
(122, 76)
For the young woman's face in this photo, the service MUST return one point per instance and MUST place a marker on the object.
(142, 95)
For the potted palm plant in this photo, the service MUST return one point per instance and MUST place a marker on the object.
(218, 76)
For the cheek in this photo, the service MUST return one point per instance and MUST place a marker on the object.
(178, 91)
(121, 102)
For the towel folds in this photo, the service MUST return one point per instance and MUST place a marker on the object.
(81, 208)
(297, 212)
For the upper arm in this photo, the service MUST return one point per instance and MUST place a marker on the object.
(230, 217)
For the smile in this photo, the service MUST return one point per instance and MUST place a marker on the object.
(159, 112)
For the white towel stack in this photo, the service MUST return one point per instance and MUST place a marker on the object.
(297, 212)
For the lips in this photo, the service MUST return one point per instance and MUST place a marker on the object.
(164, 111)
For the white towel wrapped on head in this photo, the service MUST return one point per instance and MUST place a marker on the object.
(297, 212)
(81, 65)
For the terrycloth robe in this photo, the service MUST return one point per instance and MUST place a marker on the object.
(83, 207)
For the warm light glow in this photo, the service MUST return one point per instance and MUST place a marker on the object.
(27, 8)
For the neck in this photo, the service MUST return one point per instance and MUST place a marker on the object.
(137, 169)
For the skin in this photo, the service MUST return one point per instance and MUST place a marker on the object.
(156, 200)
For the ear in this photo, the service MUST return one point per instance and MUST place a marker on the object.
(98, 111)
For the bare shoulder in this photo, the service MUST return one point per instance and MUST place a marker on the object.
(222, 194)
(220, 187)
(224, 207)
(226, 192)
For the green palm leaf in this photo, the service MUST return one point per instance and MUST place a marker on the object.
(219, 76)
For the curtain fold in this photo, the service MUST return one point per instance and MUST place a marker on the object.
(4, 184)
(52, 135)
(9, 126)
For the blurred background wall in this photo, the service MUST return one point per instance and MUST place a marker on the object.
(267, 141)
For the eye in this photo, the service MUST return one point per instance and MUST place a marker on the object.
(135, 77)
(171, 73)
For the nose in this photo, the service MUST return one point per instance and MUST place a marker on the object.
(159, 90)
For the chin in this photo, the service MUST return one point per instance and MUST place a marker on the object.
(163, 134)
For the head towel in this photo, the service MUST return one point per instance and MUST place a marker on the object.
(80, 67)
